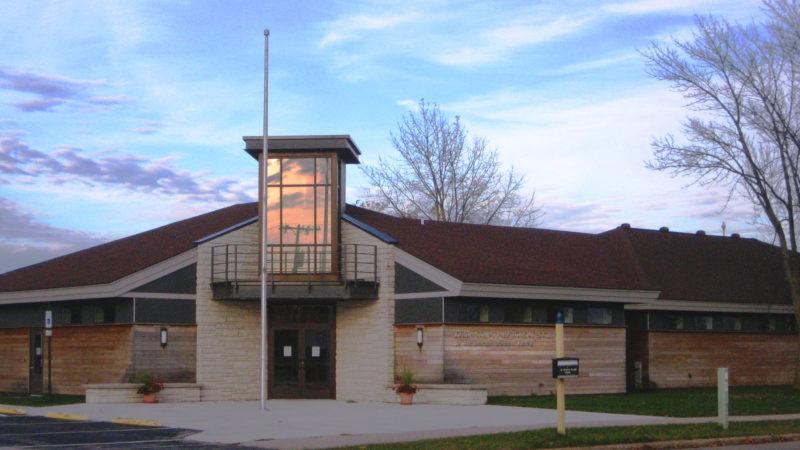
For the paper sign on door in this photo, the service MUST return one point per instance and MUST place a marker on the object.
(287, 351)
(315, 351)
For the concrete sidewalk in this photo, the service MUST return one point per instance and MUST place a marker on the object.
(323, 423)
(330, 423)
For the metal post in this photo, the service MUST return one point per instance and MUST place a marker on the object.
(50, 364)
(722, 397)
(560, 394)
(264, 237)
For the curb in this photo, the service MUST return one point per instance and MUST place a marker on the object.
(136, 422)
(65, 416)
(12, 412)
(695, 443)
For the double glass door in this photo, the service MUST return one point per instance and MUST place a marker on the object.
(301, 351)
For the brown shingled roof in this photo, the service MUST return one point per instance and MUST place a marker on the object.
(709, 268)
(116, 259)
(508, 255)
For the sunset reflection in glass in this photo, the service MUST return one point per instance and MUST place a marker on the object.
(300, 215)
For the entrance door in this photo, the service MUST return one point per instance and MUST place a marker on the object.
(301, 351)
(36, 365)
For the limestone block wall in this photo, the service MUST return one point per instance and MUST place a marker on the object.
(228, 332)
(14, 353)
(175, 363)
(365, 332)
(426, 362)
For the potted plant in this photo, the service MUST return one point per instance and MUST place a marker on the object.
(149, 387)
(406, 388)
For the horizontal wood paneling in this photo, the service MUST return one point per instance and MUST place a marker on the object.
(515, 360)
(14, 354)
(686, 359)
(90, 354)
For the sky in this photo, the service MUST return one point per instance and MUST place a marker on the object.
(118, 117)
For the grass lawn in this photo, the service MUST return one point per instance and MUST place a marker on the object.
(580, 437)
(41, 400)
(699, 402)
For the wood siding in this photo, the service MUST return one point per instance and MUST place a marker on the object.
(90, 354)
(14, 354)
(690, 359)
(514, 359)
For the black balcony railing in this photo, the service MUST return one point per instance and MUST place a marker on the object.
(239, 263)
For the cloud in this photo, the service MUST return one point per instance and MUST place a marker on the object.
(148, 127)
(45, 85)
(350, 27)
(69, 165)
(39, 105)
(26, 240)
(54, 90)
(109, 99)
(497, 43)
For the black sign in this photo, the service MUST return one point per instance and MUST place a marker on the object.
(566, 367)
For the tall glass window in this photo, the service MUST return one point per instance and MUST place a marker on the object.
(300, 215)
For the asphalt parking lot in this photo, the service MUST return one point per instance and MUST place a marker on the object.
(43, 432)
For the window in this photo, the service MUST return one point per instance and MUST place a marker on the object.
(598, 316)
(527, 315)
(568, 315)
(104, 314)
(74, 314)
(484, 313)
(300, 215)
(703, 323)
(732, 323)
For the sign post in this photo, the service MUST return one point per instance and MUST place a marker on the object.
(722, 396)
(562, 368)
(48, 331)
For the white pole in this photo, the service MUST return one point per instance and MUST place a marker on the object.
(264, 205)
(722, 397)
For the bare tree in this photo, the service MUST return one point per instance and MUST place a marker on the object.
(743, 83)
(443, 175)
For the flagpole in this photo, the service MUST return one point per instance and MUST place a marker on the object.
(264, 205)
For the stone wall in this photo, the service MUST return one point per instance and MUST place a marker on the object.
(427, 362)
(515, 359)
(14, 354)
(690, 359)
(364, 332)
(175, 363)
(228, 332)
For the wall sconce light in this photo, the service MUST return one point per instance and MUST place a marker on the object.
(420, 338)
(163, 337)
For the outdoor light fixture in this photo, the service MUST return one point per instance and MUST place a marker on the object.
(163, 337)
(419, 338)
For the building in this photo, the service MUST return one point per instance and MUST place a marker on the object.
(357, 296)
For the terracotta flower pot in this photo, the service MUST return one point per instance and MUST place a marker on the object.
(406, 398)
(149, 398)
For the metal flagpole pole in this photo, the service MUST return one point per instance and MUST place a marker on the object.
(265, 241)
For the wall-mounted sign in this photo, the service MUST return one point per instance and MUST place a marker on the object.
(566, 367)
(315, 351)
(48, 319)
(287, 351)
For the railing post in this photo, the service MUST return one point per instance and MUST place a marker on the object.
(236, 262)
(355, 265)
(227, 262)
